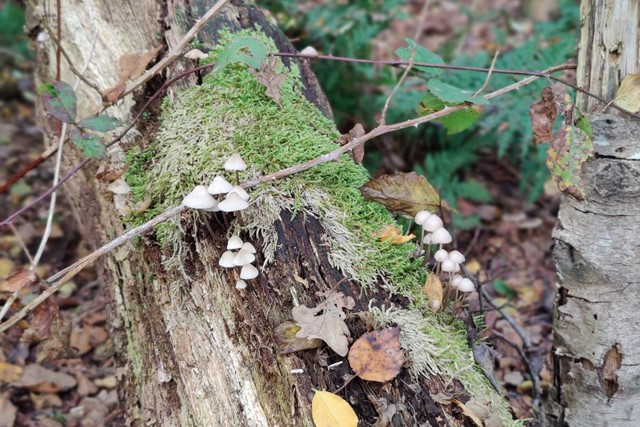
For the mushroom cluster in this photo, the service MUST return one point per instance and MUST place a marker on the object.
(434, 233)
(243, 257)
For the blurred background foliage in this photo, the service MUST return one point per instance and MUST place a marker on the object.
(357, 92)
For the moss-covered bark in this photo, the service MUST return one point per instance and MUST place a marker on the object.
(194, 350)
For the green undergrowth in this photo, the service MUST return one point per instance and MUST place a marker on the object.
(230, 113)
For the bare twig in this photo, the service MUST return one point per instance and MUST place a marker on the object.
(535, 378)
(21, 242)
(526, 341)
(486, 81)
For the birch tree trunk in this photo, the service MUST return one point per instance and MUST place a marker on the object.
(191, 349)
(597, 345)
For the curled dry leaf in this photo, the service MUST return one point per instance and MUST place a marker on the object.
(433, 291)
(131, 67)
(40, 324)
(326, 322)
(543, 113)
(392, 234)
(404, 193)
(357, 154)
(18, 280)
(285, 335)
(271, 79)
(377, 356)
(330, 410)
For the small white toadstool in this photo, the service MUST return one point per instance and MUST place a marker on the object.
(466, 285)
(195, 54)
(428, 239)
(248, 272)
(243, 257)
(249, 247)
(240, 191)
(241, 284)
(441, 255)
(219, 185)
(309, 51)
(448, 266)
(440, 236)
(422, 216)
(233, 202)
(226, 260)
(199, 198)
(234, 242)
(119, 186)
(456, 257)
(455, 282)
(432, 223)
(235, 163)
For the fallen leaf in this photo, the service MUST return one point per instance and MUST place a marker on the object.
(326, 322)
(392, 234)
(6, 267)
(469, 413)
(433, 292)
(7, 411)
(628, 94)
(543, 113)
(385, 411)
(45, 400)
(85, 386)
(85, 339)
(569, 149)
(106, 382)
(271, 79)
(330, 410)
(357, 154)
(404, 193)
(37, 378)
(18, 280)
(377, 356)
(57, 345)
(287, 342)
(40, 323)
(132, 66)
(9, 372)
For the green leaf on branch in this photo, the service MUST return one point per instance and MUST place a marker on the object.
(403, 193)
(422, 55)
(59, 100)
(101, 123)
(88, 142)
(583, 123)
(454, 122)
(242, 49)
(570, 148)
(451, 94)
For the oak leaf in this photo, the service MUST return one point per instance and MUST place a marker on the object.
(377, 356)
(404, 193)
(269, 77)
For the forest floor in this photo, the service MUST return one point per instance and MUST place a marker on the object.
(510, 253)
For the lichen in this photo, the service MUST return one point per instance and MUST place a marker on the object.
(229, 112)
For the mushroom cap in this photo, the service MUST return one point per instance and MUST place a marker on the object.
(243, 257)
(440, 236)
(233, 202)
(455, 282)
(240, 191)
(119, 186)
(248, 272)
(226, 260)
(441, 255)
(456, 257)
(422, 216)
(249, 247)
(219, 185)
(234, 242)
(235, 163)
(432, 223)
(466, 285)
(195, 54)
(448, 266)
(309, 51)
(428, 239)
(199, 198)
(213, 209)
(241, 284)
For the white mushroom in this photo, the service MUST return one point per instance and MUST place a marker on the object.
(119, 186)
(422, 216)
(241, 284)
(456, 257)
(235, 163)
(195, 54)
(240, 191)
(249, 247)
(440, 236)
(428, 239)
(243, 257)
(219, 185)
(432, 223)
(455, 282)
(233, 202)
(199, 198)
(449, 266)
(234, 242)
(441, 255)
(466, 285)
(309, 51)
(226, 260)
(248, 272)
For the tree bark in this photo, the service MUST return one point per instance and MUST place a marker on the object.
(191, 349)
(597, 347)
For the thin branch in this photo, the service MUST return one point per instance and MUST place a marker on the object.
(486, 81)
(21, 242)
(535, 379)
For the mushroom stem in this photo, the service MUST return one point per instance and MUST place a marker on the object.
(239, 218)
(206, 223)
(237, 178)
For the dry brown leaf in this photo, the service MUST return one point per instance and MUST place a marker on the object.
(40, 324)
(628, 94)
(433, 292)
(543, 113)
(377, 356)
(404, 193)
(330, 410)
(287, 342)
(132, 66)
(85, 339)
(326, 321)
(469, 413)
(357, 154)
(43, 401)
(18, 280)
(392, 234)
(57, 345)
(9, 372)
(7, 411)
(271, 79)
(37, 378)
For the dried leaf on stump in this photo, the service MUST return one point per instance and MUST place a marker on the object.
(377, 356)
(569, 149)
(131, 67)
(271, 79)
(433, 291)
(403, 193)
(330, 410)
(628, 94)
(326, 321)
(18, 280)
(287, 342)
(358, 152)
(543, 113)
(393, 235)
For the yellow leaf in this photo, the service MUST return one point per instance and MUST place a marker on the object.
(404, 193)
(469, 413)
(433, 292)
(628, 94)
(393, 235)
(330, 410)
